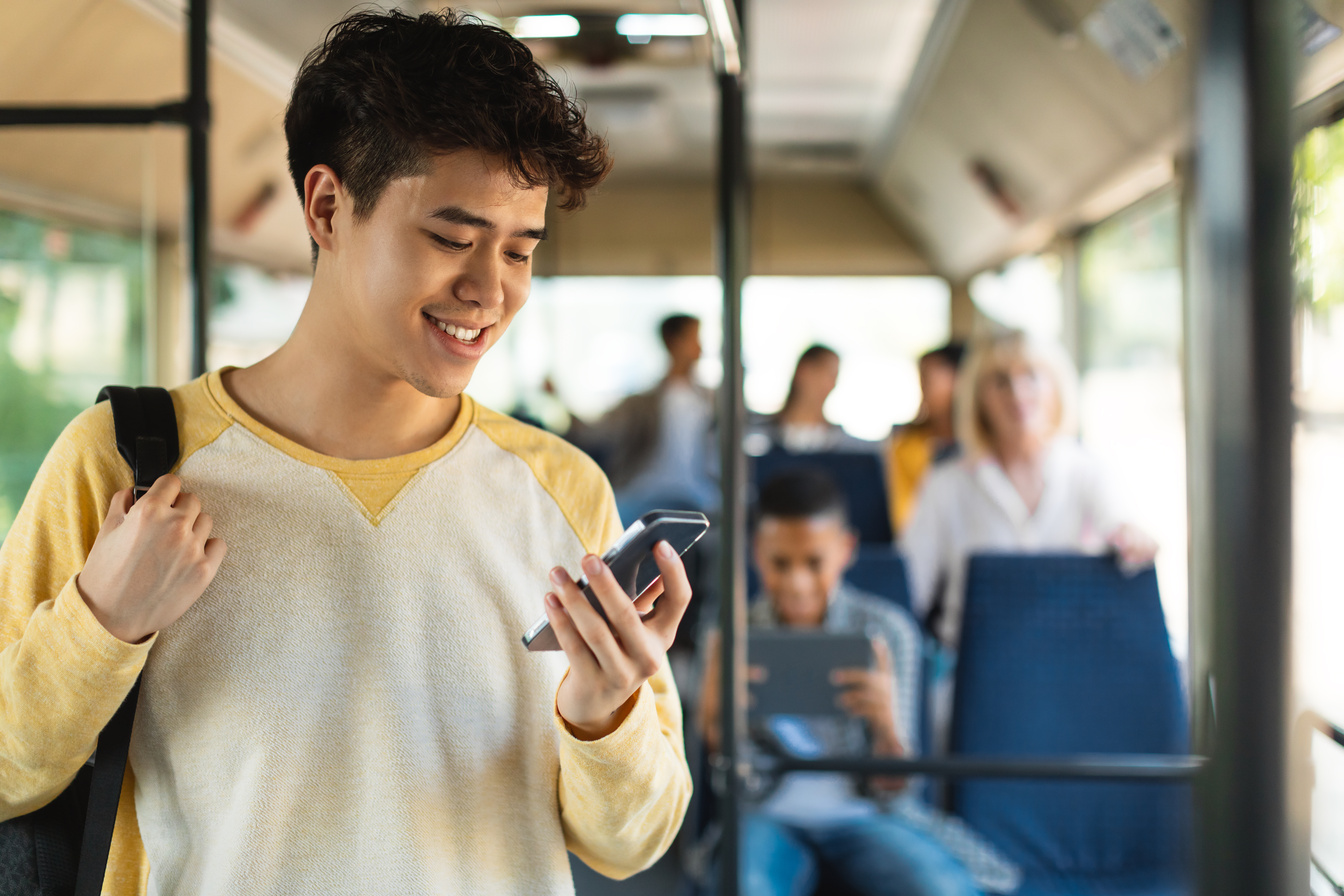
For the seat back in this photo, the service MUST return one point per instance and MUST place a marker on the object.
(880, 569)
(1062, 655)
(859, 475)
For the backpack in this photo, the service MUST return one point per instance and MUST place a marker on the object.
(61, 849)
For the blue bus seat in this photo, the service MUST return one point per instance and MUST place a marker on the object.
(877, 569)
(1063, 654)
(859, 475)
(880, 569)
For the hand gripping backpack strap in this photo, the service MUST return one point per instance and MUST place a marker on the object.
(146, 428)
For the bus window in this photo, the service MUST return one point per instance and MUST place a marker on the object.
(1318, 474)
(72, 319)
(1129, 360)
(878, 325)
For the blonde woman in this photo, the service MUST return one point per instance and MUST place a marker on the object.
(1023, 484)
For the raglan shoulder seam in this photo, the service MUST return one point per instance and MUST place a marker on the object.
(531, 445)
(193, 431)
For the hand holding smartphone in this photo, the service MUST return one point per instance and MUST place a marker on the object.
(631, 562)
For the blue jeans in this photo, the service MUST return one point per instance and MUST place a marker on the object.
(873, 856)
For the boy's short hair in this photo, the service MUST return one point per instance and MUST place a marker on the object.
(386, 91)
(802, 493)
(674, 325)
(815, 352)
(950, 354)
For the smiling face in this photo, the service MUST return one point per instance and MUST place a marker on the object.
(430, 279)
(801, 561)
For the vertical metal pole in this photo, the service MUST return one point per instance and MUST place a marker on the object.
(198, 165)
(733, 256)
(1240, 342)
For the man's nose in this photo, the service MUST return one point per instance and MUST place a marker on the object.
(481, 281)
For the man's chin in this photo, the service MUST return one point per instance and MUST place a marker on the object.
(443, 387)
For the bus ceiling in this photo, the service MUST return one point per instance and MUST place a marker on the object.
(928, 136)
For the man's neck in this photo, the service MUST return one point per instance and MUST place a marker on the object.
(803, 413)
(337, 410)
(679, 372)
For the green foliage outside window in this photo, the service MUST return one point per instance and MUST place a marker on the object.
(72, 305)
(1130, 289)
(1318, 217)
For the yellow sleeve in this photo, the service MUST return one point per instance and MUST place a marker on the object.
(623, 796)
(62, 675)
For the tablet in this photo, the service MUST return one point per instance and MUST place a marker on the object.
(798, 665)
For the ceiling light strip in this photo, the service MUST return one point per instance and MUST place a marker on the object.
(645, 25)
(529, 27)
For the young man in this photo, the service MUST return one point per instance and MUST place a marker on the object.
(340, 703)
(881, 842)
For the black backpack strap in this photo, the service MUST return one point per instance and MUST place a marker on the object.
(146, 427)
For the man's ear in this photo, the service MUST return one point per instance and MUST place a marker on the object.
(323, 193)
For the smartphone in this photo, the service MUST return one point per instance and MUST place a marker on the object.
(631, 561)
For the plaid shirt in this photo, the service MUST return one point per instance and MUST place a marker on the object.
(852, 610)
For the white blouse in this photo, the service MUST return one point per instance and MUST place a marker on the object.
(969, 506)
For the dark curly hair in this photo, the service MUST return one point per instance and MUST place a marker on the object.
(385, 91)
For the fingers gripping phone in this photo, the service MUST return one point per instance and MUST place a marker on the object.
(631, 562)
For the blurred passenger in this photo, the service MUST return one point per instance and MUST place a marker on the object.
(1023, 483)
(800, 426)
(928, 439)
(881, 840)
(656, 445)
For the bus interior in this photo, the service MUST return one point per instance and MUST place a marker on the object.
(1153, 185)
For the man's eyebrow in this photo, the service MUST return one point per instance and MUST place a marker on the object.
(454, 214)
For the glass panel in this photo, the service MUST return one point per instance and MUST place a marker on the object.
(1024, 294)
(1327, 818)
(72, 319)
(1318, 475)
(1132, 404)
(253, 312)
(595, 339)
(878, 325)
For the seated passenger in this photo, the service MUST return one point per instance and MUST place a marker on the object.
(929, 438)
(800, 426)
(881, 840)
(657, 446)
(1023, 484)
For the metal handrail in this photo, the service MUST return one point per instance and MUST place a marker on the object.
(1324, 725)
(1115, 767)
(49, 116)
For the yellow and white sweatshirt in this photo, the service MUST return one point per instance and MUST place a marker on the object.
(348, 708)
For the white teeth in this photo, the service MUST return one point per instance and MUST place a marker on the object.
(462, 334)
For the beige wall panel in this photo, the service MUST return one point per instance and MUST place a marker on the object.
(799, 228)
(31, 32)
(105, 51)
(826, 228)
(654, 229)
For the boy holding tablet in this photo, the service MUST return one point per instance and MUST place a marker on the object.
(341, 704)
(882, 842)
